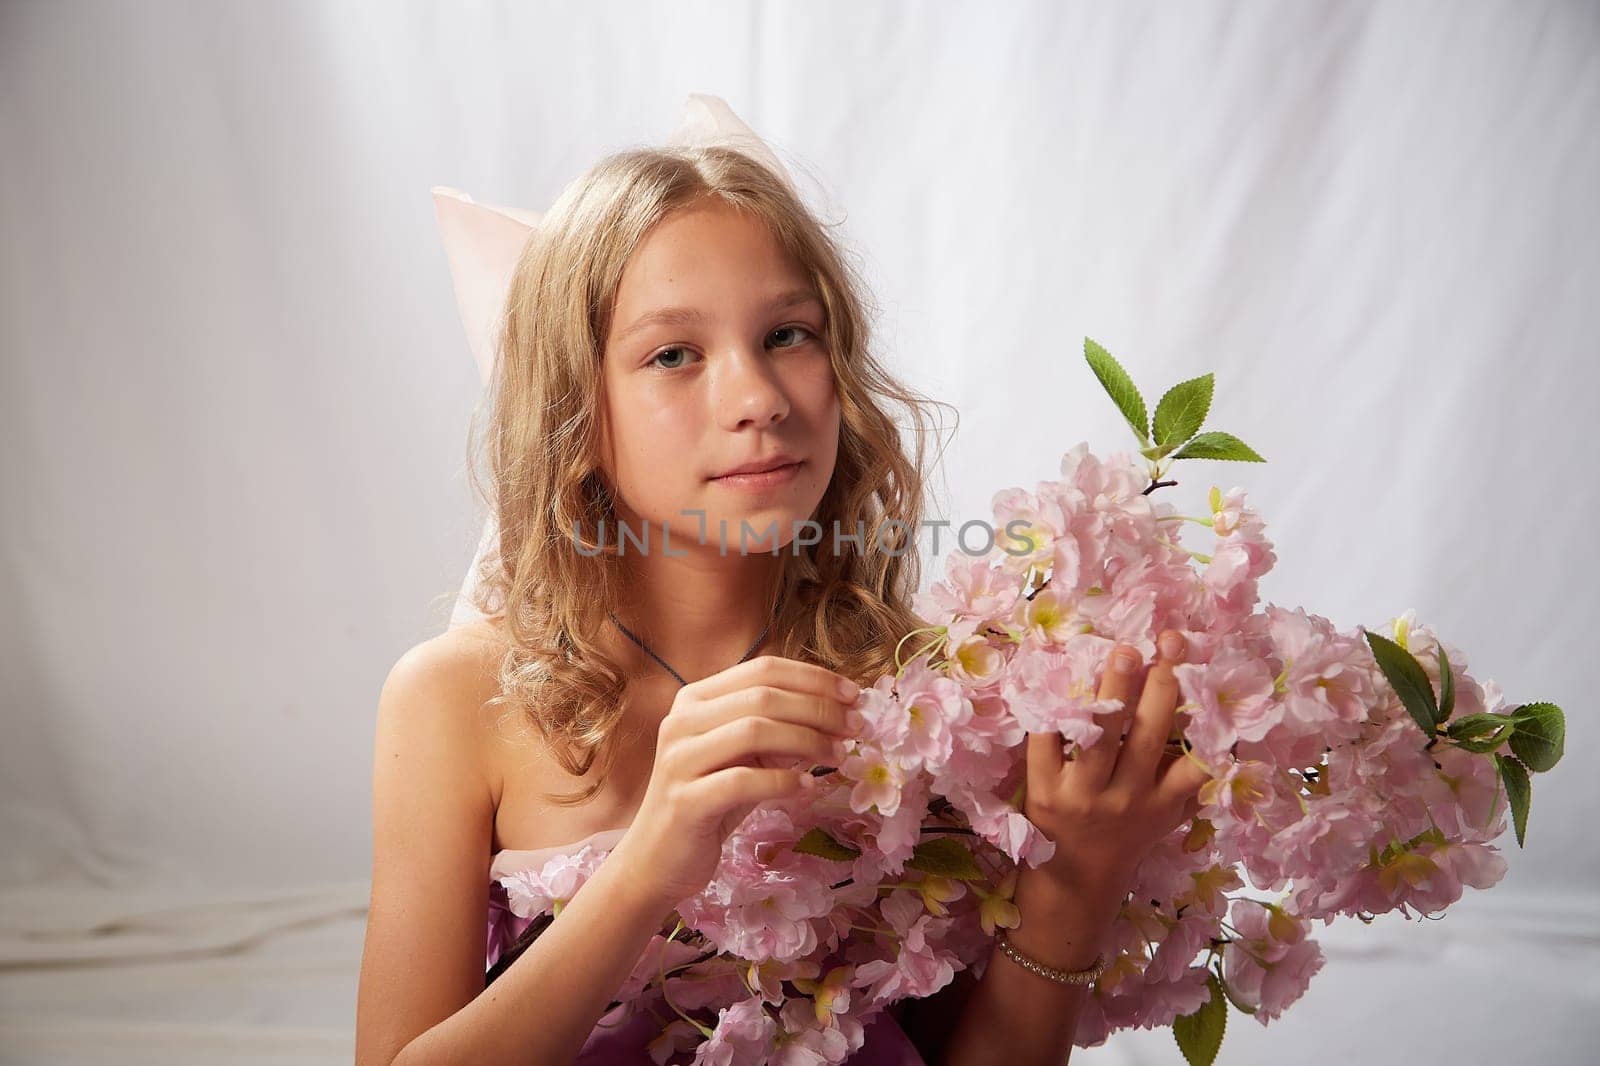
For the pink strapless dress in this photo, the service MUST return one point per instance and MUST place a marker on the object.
(620, 1037)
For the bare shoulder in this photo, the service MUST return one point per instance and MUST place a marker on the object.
(433, 807)
(470, 650)
(450, 677)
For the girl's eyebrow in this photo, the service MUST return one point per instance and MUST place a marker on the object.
(690, 316)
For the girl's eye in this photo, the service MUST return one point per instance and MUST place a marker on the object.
(666, 352)
(802, 329)
(682, 353)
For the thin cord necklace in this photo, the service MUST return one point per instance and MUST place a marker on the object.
(663, 662)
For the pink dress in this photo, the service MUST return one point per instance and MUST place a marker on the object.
(620, 1037)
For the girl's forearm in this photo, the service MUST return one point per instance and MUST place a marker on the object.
(1062, 926)
(546, 1003)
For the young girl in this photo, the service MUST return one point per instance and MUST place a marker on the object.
(684, 378)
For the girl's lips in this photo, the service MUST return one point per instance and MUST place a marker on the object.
(767, 479)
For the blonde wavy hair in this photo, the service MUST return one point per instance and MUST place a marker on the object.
(846, 609)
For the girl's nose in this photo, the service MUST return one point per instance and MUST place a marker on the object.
(748, 392)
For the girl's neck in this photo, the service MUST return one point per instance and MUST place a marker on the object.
(699, 615)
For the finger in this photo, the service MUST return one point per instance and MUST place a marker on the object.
(740, 788)
(1045, 760)
(1180, 814)
(1152, 722)
(1092, 766)
(1180, 782)
(829, 714)
(775, 671)
(747, 739)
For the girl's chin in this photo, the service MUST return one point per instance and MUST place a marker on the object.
(723, 526)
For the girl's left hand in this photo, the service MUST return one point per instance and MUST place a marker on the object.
(1108, 804)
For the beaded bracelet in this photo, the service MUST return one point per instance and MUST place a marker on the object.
(1086, 976)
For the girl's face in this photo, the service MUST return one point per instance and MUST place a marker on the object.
(715, 360)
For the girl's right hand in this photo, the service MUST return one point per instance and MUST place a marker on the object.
(720, 752)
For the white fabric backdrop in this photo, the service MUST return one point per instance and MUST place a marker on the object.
(236, 392)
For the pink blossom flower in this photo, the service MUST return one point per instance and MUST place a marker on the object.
(678, 1036)
(1235, 699)
(929, 711)
(1227, 511)
(1453, 865)
(1176, 951)
(530, 893)
(743, 1036)
(1326, 687)
(919, 969)
(1048, 618)
(878, 780)
(975, 662)
(804, 1041)
(1056, 690)
(1160, 1002)
(1245, 785)
(974, 590)
(1323, 790)
(1026, 528)
(1264, 969)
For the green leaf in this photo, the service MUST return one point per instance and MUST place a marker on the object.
(1215, 445)
(1409, 680)
(1182, 410)
(1199, 1035)
(1477, 725)
(946, 857)
(1481, 733)
(1447, 686)
(818, 841)
(1541, 736)
(1120, 387)
(1518, 793)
